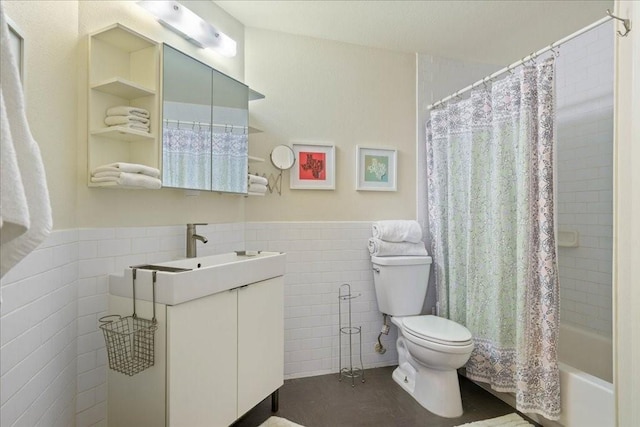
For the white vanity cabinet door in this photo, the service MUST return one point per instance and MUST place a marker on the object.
(202, 339)
(260, 341)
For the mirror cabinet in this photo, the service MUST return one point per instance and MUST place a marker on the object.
(205, 121)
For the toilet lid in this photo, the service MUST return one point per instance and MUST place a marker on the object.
(437, 329)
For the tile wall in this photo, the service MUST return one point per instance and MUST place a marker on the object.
(53, 358)
(584, 84)
(321, 256)
(38, 336)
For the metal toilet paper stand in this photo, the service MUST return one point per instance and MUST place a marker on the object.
(350, 332)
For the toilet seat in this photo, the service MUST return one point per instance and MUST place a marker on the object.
(436, 330)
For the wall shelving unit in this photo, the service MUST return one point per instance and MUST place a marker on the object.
(124, 69)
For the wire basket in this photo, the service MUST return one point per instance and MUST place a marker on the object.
(130, 343)
(130, 340)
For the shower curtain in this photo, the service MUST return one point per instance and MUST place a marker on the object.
(229, 163)
(186, 149)
(491, 219)
(197, 158)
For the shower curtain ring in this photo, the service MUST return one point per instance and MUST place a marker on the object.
(555, 52)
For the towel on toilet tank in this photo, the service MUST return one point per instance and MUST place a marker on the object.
(379, 247)
(397, 231)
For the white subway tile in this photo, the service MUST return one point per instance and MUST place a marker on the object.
(96, 233)
(113, 247)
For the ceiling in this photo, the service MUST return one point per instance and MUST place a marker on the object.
(494, 32)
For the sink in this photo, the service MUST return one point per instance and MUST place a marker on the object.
(188, 279)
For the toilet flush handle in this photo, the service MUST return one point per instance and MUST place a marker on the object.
(376, 269)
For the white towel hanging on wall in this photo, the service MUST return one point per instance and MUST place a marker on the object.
(25, 211)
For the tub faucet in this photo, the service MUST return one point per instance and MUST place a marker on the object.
(191, 240)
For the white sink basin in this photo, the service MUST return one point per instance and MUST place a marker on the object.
(198, 277)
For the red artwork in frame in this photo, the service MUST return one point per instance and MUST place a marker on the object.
(312, 166)
(315, 167)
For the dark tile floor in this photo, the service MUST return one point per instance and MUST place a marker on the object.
(323, 401)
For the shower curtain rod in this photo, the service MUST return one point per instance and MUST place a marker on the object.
(532, 56)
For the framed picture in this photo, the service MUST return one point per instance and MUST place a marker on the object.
(376, 169)
(16, 45)
(314, 167)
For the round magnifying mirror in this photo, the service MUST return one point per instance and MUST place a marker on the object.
(283, 157)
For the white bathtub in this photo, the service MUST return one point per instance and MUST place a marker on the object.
(587, 400)
(586, 371)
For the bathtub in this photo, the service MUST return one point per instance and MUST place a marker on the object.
(586, 376)
(587, 399)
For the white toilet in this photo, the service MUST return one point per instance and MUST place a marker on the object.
(430, 348)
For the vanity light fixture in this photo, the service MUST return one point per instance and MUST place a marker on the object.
(196, 30)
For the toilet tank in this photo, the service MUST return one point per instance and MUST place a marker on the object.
(401, 283)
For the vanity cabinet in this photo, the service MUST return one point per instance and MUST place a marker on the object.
(123, 70)
(216, 358)
(260, 343)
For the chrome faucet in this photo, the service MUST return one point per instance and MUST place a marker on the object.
(191, 240)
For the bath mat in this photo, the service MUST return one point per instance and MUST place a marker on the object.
(278, 422)
(511, 420)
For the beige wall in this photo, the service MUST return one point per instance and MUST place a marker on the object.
(317, 91)
(338, 93)
(56, 95)
(51, 34)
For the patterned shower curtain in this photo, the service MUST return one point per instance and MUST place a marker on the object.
(186, 149)
(229, 163)
(491, 214)
(197, 158)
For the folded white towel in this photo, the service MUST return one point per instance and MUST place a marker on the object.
(257, 179)
(128, 167)
(23, 227)
(125, 110)
(106, 174)
(379, 247)
(140, 127)
(131, 180)
(251, 193)
(397, 231)
(123, 120)
(258, 188)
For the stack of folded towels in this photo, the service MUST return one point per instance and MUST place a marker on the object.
(129, 175)
(258, 185)
(130, 117)
(396, 238)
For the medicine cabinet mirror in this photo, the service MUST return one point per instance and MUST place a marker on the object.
(204, 126)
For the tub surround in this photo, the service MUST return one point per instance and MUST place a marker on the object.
(585, 179)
